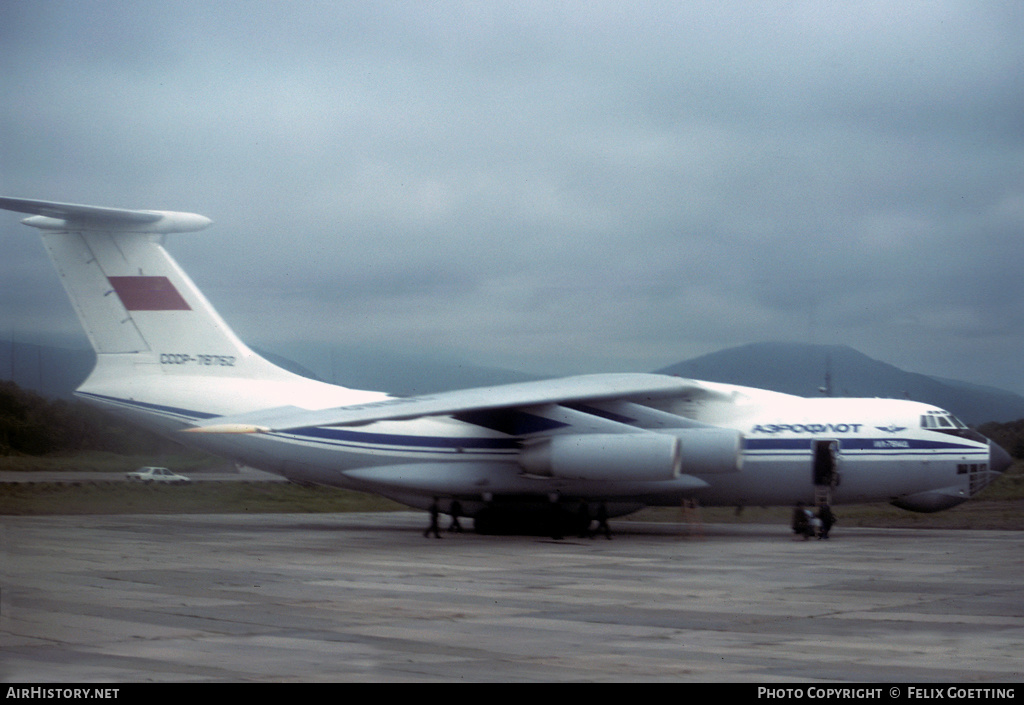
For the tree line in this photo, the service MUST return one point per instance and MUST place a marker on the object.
(1009, 435)
(31, 424)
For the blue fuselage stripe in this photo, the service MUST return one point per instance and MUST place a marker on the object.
(858, 444)
(334, 436)
(319, 433)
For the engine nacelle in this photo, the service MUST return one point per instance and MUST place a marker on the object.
(636, 457)
(605, 456)
(710, 450)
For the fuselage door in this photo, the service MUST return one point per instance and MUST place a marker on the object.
(825, 463)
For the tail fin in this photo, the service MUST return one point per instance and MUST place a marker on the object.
(142, 313)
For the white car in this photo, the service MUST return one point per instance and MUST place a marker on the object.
(150, 474)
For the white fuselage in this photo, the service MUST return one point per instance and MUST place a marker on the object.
(881, 450)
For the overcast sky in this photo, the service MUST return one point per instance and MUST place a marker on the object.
(551, 187)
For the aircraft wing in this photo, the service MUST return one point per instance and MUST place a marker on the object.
(587, 388)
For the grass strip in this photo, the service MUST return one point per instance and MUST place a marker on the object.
(40, 498)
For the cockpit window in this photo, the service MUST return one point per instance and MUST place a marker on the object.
(942, 421)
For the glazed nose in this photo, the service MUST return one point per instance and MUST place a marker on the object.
(998, 459)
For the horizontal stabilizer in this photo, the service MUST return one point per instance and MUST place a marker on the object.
(48, 215)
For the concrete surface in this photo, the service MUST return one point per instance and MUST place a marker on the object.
(364, 597)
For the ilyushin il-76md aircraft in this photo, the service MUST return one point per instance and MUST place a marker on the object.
(166, 360)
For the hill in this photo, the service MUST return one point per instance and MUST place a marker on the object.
(804, 370)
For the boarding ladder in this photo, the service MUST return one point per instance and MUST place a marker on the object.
(822, 495)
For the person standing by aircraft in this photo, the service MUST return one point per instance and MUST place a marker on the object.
(691, 515)
(827, 519)
(433, 528)
(455, 509)
(602, 521)
(802, 521)
(555, 516)
(584, 520)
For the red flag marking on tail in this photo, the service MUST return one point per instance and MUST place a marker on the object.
(148, 294)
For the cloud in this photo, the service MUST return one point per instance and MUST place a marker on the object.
(558, 187)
